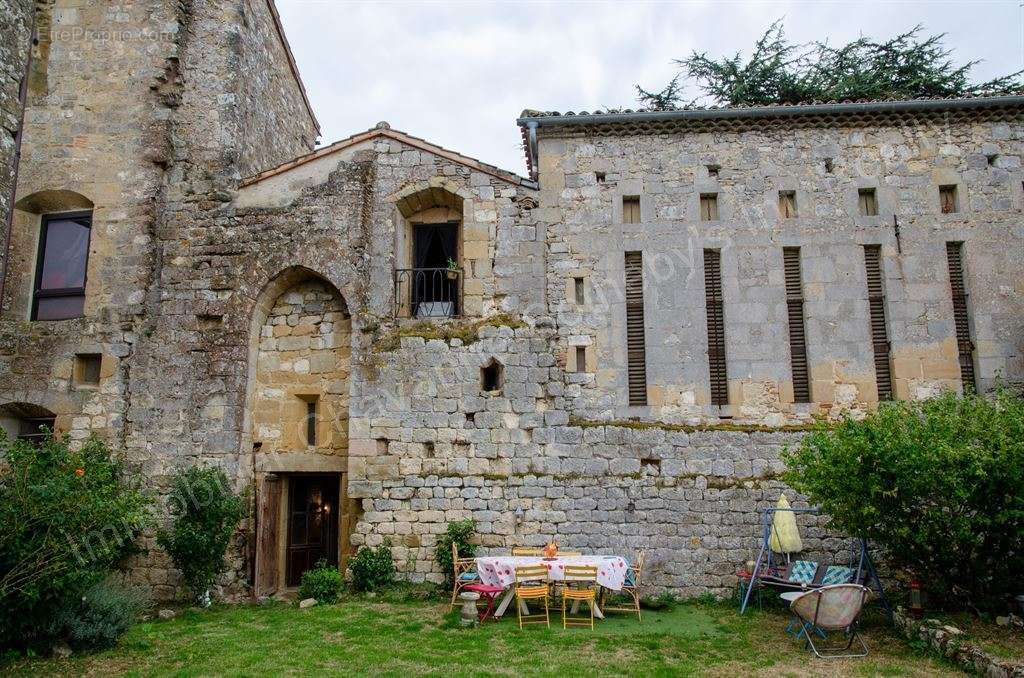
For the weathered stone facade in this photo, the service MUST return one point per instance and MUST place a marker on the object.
(235, 278)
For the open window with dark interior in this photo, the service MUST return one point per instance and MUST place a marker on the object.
(435, 286)
(59, 291)
(25, 421)
(491, 376)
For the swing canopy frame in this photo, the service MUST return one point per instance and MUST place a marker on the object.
(804, 575)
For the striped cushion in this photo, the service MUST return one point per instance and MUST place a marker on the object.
(803, 571)
(469, 576)
(837, 574)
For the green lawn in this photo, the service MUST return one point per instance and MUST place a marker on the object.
(362, 636)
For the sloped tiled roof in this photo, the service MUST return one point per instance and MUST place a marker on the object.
(815, 113)
(384, 130)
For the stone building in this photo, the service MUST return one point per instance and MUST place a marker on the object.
(381, 335)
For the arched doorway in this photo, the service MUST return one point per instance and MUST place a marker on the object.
(300, 364)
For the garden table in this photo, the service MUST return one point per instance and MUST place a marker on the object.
(501, 571)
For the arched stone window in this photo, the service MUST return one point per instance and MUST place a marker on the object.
(55, 226)
(25, 421)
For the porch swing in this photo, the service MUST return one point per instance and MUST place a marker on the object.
(805, 575)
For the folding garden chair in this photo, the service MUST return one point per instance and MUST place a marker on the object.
(831, 608)
(580, 587)
(630, 588)
(463, 573)
(532, 584)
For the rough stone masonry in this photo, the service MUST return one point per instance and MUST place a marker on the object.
(381, 336)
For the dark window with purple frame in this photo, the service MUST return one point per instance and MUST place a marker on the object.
(60, 271)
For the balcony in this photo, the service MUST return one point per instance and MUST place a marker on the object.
(428, 293)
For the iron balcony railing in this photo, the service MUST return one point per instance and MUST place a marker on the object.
(428, 293)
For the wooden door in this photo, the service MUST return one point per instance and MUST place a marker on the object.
(312, 524)
(268, 521)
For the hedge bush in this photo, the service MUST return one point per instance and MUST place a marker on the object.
(205, 514)
(103, 614)
(459, 532)
(67, 518)
(372, 569)
(324, 582)
(938, 484)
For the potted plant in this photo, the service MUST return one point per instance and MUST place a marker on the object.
(453, 270)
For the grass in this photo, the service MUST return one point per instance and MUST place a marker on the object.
(364, 636)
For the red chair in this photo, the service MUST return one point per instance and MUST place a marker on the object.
(489, 594)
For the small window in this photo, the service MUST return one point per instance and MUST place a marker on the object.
(311, 404)
(87, 369)
(600, 176)
(947, 199)
(581, 358)
(713, 171)
(60, 273)
(631, 209)
(491, 376)
(787, 204)
(830, 165)
(578, 291)
(992, 158)
(868, 202)
(709, 207)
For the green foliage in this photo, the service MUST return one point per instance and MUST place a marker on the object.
(102, 615)
(206, 513)
(459, 533)
(937, 484)
(778, 71)
(372, 569)
(66, 519)
(324, 582)
(665, 601)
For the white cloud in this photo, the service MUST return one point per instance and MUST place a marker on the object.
(459, 73)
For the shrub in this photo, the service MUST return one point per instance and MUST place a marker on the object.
(324, 583)
(937, 484)
(206, 513)
(67, 517)
(459, 533)
(101, 616)
(372, 569)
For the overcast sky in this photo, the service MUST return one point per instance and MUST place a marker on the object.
(459, 73)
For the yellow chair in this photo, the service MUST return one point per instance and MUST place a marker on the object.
(532, 584)
(527, 551)
(580, 587)
(463, 573)
(630, 588)
(570, 553)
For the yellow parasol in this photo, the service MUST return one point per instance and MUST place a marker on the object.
(785, 537)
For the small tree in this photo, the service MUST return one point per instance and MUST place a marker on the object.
(372, 569)
(459, 533)
(206, 513)
(938, 484)
(67, 518)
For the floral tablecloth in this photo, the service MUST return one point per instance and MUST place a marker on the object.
(501, 570)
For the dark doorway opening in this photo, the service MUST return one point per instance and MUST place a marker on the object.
(312, 524)
(435, 285)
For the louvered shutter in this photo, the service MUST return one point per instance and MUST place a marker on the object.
(876, 313)
(797, 331)
(716, 327)
(636, 355)
(964, 343)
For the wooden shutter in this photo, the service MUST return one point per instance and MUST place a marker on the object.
(631, 210)
(947, 199)
(268, 514)
(876, 314)
(797, 330)
(868, 202)
(636, 355)
(787, 204)
(709, 207)
(965, 346)
(715, 309)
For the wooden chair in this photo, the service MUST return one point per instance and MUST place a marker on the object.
(526, 551)
(463, 573)
(570, 553)
(580, 586)
(532, 584)
(630, 588)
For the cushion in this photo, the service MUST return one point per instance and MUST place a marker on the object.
(837, 574)
(802, 571)
(469, 576)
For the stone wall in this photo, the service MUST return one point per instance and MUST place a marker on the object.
(905, 163)
(16, 23)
